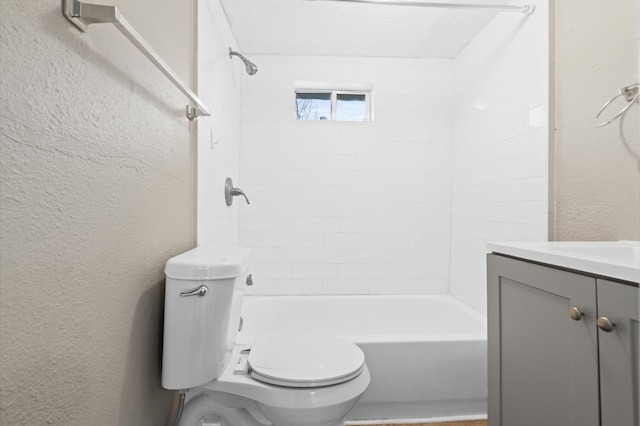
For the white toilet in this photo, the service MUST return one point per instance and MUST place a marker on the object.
(280, 380)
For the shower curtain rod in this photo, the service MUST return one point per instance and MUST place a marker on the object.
(526, 9)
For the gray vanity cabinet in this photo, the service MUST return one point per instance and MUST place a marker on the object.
(544, 346)
(619, 372)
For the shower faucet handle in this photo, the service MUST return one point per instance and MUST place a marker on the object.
(238, 191)
(230, 192)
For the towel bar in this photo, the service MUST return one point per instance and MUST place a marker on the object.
(84, 14)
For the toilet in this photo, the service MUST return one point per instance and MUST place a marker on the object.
(279, 380)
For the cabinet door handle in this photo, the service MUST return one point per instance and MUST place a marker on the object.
(605, 324)
(575, 313)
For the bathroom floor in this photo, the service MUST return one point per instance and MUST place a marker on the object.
(462, 423)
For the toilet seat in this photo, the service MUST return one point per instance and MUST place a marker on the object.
(304, 361)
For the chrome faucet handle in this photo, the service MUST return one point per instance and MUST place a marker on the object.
(230, 192)
(238, 191)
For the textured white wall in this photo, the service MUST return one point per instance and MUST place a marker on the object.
(343, 208)
(500, 145)
(96, 193)
(597, 169)
(219, 81)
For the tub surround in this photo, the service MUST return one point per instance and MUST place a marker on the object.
(218, 136)
(348, 207)
(456, 155)
(500, 145)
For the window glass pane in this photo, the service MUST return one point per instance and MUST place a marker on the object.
(313, 106)
(350, 107)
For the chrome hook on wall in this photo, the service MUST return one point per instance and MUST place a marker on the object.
(230, 192)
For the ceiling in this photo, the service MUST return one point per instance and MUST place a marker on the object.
(321, 28)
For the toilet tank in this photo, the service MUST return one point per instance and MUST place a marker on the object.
(200, 329)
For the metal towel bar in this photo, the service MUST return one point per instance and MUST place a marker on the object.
(84, 14)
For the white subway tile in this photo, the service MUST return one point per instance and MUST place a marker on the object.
(267, 130)
(261, 287)
(303, 130)
(289, 192)
(299, 239)
(273, 207)
(344, 287)
(282, 255)
(299, 287)
(258, 239)
(330, 255)
(362, 271)
(265, 223)
(267, 176)
(499, 161)
(379, 192)
(391, 286)
(274, 160)
(314, 271)
(260, 114)
(331, 162)
(375, 256)
(302, 146)
(430, 286)
(315, 224)
(271, 271)
(347, 240)
(332, 209)
(406, 271)
(392, 240)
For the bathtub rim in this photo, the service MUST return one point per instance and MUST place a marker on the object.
(479, 335)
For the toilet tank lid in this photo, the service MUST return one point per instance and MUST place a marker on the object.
(208, 262)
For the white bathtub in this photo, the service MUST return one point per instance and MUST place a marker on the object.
(427, 354)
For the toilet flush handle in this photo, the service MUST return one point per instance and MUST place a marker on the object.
(200, 291)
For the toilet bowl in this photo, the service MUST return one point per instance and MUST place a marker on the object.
(309, 393)
(280, 380)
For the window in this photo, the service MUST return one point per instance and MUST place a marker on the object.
(313, 106)
(332, 105)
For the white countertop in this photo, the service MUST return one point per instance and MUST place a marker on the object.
(615, 259)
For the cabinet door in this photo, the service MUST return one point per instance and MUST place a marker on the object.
(619, 374)
(543, 366)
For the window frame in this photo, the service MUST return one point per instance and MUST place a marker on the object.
(368, 115)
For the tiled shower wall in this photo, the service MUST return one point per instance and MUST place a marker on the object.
(218, 136)
(500, 145)
(348, 208)
(403, 204)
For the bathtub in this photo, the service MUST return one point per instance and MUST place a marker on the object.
(427, 354)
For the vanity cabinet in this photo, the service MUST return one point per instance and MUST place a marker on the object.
(549, 362)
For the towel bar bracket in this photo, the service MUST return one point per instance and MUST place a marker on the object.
(193, 113)
(84, 14)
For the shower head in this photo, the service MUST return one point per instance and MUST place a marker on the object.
(249, 66)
